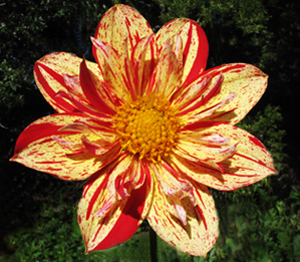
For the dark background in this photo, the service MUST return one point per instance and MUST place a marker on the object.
(263, 33)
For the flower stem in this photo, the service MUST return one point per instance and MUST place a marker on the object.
(153, 245)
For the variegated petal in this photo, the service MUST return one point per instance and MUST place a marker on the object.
(194, 46)
(119, 24)
(166, 77)
(118, 221)
(49, 74)
(199, 234)
(246, 81)
(36, 148)
(250, 163)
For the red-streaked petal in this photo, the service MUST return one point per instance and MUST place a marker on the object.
(86, 109)
(35, 148)
(166, 77)
(247, 82)
(170, 181)
(119, 24)
(72, 146)
(184, 97)
(199, 234)
(205, 114)
(249, 164)
(100, 128)
(204, 152)
(74, 87)
(113, 70)
(115, 185)
(195, 46)
(175, 188)
(97, 124)
(144, 60)
(204, 95)
(98, 147)
(207, 139)
(48, 73)
(93, 91)
(118, 223)
(44, 127)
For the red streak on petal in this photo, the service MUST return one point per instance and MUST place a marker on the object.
(176, 236)
(50, 162)
(96, 193)
(127, 22)
(37, 131)
(214, 71)
(256, 161)
(202, 124)
(53, 169)
(201, 59)
(127, 81)
(90, 111)
(57, 101)
(214, 89)
(130, 217)
(256, 142)
(202, 216)
(89, 90)
(170, 221)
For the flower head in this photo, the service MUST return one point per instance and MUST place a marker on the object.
(150, 128)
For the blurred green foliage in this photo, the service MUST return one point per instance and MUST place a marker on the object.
(257, 223)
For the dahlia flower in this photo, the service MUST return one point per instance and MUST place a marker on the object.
(149, 128)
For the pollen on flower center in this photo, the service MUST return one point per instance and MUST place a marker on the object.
(147, 126)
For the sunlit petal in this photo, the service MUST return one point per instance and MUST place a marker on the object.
(144, 61)
(201, 230)
(113, 70)
(105, 230)
(93, 90)
(251, 162)
(37, 149)
(247, 82)
(119, 24)
(167, 75)
(195, 46)
(49, 74)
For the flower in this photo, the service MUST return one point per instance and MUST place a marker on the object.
(150, 128)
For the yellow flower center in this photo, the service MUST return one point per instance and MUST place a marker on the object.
(147, 126)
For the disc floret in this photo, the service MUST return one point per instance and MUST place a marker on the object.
(147, 126)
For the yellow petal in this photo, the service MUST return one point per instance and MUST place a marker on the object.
(98, 147)
(203, 152)
(120, 219)
(114, 70)
(117, 187)
(95, 91)
(194, 46)
(49, 74)
(200, 97)
(100, 128)
(247, 82)
(145, 56)
(35, 148)
(166, 77)
(72, 146)
(206, 114)
(249, 164)
(199, 234)
(119, 24)
(184, 97)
